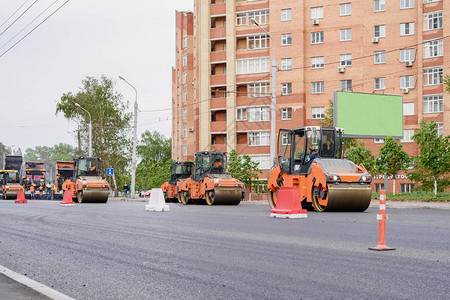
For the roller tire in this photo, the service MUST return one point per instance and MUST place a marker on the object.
(183, 198)
(315, 202)
(272, 199)
(209, 197)
(80, 197)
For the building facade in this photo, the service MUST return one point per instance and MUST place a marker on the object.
(392, 47)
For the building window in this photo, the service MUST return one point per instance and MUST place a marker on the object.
(241, 114)
(380, 31)
(430, 1)
(317, 113)
(406, 28)
(346, 35)
(258, 42)
(184, 95)
(380, 84)
(259, 138)
(378, 141)
(317, 37)
(286, 139)
(404, 4)
(286, 14)
(379, 57)
(346, 85)
(317, 62)
(433, 76)
(440, 129)
(184, 77)
(184, 60)
(286, 88)
(408, 109)
(432, 21)
(346, 9)
(241, 19)
(379, 5)
(252, 65)
(433, 48)
(286, 113)
(406, 187)
(407, 82)
(317, 87)
(262, 160)
(258, 89)
(259, 114)
(184, 150)
(286, 39)
(185, 131)
(407, 55)
(433, 104)
(316, 12)
(261, 17)
(184, 113)
(185, 41)
(286, 64)
(346, 60)
(407, 134)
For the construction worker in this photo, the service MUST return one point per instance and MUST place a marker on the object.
(32, 190)
(41, 192)
(48, 188)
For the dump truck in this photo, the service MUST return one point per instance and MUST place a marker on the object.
(209, 183)
(86, 184)
(179, 171)
(35, 172)
(310, 159)
(10, 181)
(64, 171)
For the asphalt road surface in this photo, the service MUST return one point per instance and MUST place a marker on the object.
(118, 250)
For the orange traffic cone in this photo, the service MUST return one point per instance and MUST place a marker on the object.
(67, 199)
(288, 204)
(21, 197)
(382, 225)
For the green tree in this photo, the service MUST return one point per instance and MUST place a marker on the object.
(244, 169)
(447, 83)
(434, 158)
(110, 121)
(392, 159)
(155, 153)
(362, 155)
(4, 150)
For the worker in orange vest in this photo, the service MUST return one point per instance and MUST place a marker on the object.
(32, 190)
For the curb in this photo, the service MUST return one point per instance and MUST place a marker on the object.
(38, 287)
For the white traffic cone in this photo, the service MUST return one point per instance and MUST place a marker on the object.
(156, 201)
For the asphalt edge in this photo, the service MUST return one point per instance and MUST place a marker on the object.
(38, 287)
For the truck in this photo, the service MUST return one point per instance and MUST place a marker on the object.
(209, 183)
(86, 184)
(64, 171)
(311, 160)
(35, 172)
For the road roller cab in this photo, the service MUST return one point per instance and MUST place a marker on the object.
(11, 185)
(179, 171)
(310, 159)
(209, 183)
(87, 185)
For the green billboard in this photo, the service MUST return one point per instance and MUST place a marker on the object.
(368, 115)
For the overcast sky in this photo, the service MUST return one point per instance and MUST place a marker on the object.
(131, 38)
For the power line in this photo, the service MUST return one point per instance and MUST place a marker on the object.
(28, 24)
(34, 29)
(13, 14)
(18, 17)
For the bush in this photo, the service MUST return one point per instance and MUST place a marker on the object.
(416, 196)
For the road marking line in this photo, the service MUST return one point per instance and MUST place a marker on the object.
(39, 287)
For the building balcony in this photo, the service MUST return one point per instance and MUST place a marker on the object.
(252, 126)
(219, 147)
(217, 9)
(218, 126)
(218, 56)
(218, 80)
(218, 33)
(217, 103)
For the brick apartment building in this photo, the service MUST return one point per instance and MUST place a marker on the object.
(221, 81)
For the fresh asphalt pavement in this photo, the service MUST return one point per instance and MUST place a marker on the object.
(118, 250)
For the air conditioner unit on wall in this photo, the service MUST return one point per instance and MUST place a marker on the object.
(405, 90)
(341, 69)
(375, 40)
(408, 63)
(315, 21)
(191, 129)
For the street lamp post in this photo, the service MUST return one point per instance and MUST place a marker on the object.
(90, 128)
(273, 104)
(133, 159)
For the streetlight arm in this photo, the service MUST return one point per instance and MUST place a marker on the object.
(135, 90)
(271, 37)
(78, 105)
